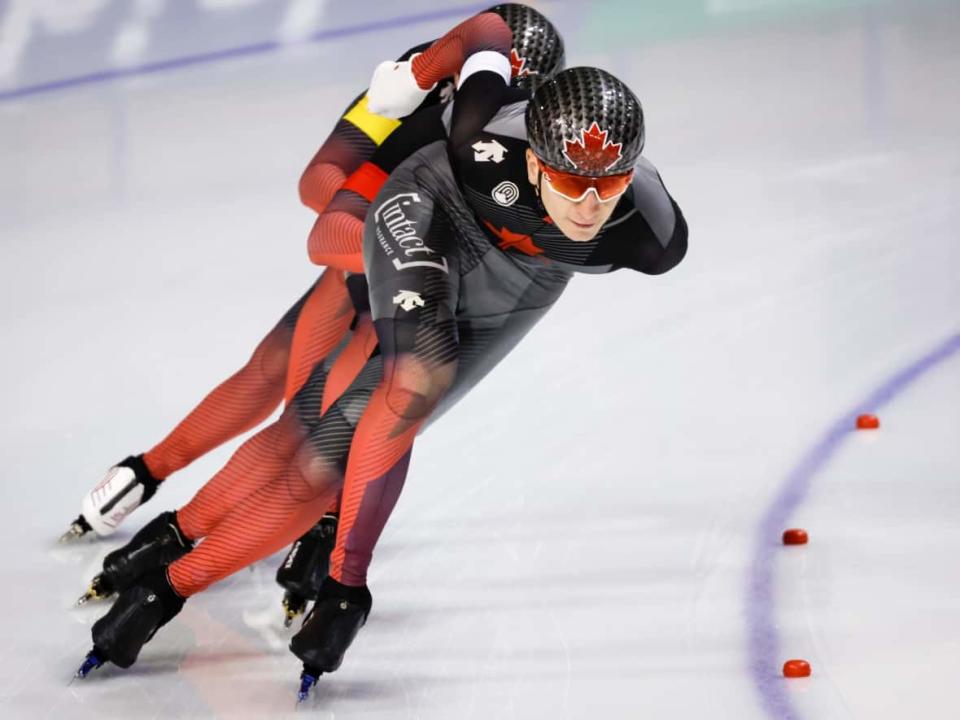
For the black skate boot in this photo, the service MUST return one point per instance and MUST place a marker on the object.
(135, 617)
(157, 544)
(306, 565)
(126, 486)
(329, 629)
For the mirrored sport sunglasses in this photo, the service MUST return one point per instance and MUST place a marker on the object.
(576, 187)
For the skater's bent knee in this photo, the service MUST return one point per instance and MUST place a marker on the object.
(414, 388)
(272, 357)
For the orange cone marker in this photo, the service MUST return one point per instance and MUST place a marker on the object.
(796, 669)
(868, 422)
(795, 536)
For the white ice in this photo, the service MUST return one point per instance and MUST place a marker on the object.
(576, 538)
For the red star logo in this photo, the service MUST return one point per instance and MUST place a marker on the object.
(592, 153)
(518, 65)
(508, 239)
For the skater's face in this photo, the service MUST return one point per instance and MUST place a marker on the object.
(578, 219)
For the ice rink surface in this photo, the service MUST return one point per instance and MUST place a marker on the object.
(593, 532)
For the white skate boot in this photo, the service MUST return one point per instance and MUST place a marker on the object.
(126, 486)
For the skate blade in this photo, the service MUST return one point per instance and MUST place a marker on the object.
(307, 681)
(90, 663)
(92, 593)
(293, 607)
(74, 533)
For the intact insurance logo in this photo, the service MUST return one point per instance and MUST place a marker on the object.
(397, 235)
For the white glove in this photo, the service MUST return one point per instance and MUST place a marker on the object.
(393, 90)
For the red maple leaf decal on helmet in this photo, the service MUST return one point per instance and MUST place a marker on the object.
(518, 65)
(592, 153)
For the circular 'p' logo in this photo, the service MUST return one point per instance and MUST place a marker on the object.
(505, 194)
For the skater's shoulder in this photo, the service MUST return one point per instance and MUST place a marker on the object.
(649, 202)
(484, 104)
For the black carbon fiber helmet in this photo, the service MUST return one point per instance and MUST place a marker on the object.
(537, 53)
(586, 122)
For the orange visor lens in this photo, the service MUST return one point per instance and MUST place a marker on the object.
(576, 187)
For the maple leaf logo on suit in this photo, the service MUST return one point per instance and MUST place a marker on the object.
(511, 240)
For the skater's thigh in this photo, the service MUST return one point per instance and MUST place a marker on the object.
(320, 321)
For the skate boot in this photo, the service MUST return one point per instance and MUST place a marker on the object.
(329, 629)
(135, 617)
(305, 567)
(157, 544)
(126, 486)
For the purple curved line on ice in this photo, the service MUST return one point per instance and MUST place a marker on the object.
(764, 649)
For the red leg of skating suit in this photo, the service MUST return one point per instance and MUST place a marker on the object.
(258, 526)
(344, 371)
(267, 454)
(285, 506)
(324, 322)
(362, 520)
(376, 469)
(257, 461)
(320, 327)
(249, 396)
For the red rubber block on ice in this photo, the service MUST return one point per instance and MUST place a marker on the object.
(796, 669)
(868, 422)
(795, 536)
